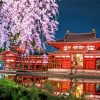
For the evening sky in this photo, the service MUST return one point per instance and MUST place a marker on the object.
(78, 16)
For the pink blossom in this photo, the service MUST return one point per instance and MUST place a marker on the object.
(34, 19)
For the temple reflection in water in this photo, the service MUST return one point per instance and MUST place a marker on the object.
(79, 86)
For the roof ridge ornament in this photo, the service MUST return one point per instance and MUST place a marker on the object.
(93, 30)
(67, 31)
(67, 35)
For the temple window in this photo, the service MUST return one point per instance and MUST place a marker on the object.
(78, 47)
(31, 67)
(37, 67)
(98, 88)
(58, 63)
(75, 47)
(98, 63)
(66, 48)
(81, 47)
(12, 64)
(77, 60)
(17, 65)
(63, 56)
(26, 66)
(89, 56)
(77, 89)
(25, 78)
(21, 66)
(91, 47)
(89, 88)
(10, 60)
(51, 60)
(57, 56)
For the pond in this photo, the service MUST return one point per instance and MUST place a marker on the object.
(59, 85)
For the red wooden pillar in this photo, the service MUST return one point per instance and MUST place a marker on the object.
(60, 62)
(19, 66)
(14, 65)
(4, 65)
(40, 80)
(28, 66)
(22, 65)
(48, 62)
(95, 63)
(10, 65)
(42, 64)
(34, 79)
(41, 67)
(28, 78)
(54, 61)
(35, 65)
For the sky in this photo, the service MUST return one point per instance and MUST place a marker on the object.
(78, 16)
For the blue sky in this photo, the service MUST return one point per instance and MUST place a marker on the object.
(78, 16)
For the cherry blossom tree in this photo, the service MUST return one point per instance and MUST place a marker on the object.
(35, 20)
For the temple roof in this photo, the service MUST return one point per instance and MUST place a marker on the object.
(82, 37)
(8, 52)
(60, 52)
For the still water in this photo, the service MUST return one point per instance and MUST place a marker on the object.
(60, 85)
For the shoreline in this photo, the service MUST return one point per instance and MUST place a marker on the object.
(59, 74)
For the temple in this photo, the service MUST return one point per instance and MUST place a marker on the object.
(74, 51)
(15, 60)
(78, 51)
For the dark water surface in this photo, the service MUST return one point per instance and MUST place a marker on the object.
(60, 85)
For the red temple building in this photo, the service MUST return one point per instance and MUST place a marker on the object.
(15, 61)
(90, 87)
(74, 51)
(87, 86)
(78, 51)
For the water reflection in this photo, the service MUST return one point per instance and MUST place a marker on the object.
(1, 75)
(77, 86)
(27, 80)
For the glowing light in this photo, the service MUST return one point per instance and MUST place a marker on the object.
(10, 60)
